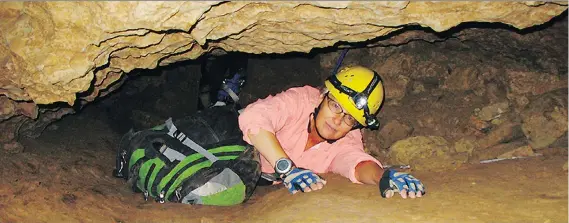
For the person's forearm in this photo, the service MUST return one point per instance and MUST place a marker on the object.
(268, 145)
(368, 172)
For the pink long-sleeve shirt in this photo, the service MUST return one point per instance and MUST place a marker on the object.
(287, 115)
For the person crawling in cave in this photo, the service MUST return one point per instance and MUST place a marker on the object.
(219, 155)
(305, 131)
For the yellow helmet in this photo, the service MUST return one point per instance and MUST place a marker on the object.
(360, 92)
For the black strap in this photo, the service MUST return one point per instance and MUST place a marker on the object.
(314, 115)
(370, 120)
(384, 184)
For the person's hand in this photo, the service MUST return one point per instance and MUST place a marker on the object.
(407, 185)
(299, 179)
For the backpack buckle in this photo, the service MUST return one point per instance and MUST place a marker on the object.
(145, 195)
(120, 164)
(161, 197)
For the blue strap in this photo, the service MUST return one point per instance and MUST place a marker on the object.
(342, 55)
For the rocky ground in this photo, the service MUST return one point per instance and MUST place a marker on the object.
(453, 100)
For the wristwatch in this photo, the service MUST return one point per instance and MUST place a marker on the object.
(283, 166)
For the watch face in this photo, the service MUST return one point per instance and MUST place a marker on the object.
(282, 165)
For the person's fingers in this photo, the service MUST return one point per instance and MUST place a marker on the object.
(403, 194)
(412, 186)
(315, 182)
(418, 188)
(308, 184)
(389, 193)
(412, 191)
(306, 188)
(303, 185)
(421, 189)
(289, 187)
(412, 194)
(419, 194)
(314, 187)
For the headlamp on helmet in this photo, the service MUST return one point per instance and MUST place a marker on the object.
(348, 86)
(360, 100)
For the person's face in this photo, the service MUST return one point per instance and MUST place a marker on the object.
(332, 121)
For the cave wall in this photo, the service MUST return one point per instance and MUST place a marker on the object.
(480, 92)
(63, 55)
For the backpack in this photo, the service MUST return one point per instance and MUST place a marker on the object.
(199, 159)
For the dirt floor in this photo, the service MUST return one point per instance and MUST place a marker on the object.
(65, 176)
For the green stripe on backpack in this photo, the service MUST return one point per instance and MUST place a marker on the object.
(201, 159)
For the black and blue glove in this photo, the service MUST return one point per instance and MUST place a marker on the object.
(393, 181)
(299, 179)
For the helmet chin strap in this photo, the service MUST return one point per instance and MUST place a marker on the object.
(314, 115)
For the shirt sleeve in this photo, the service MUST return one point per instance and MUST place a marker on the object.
(351, 153)
(270, 114)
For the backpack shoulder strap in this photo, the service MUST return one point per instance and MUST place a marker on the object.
(177, 134)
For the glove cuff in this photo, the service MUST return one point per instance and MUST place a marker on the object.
(384, 184)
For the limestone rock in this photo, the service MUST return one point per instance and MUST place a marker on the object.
(390, 71)
(463, 79)
(493, 111)
(417, 87)
(478, 125)
(523, 151)
(465, 145)
(394, 131)
(13, 147)
(495, 92)
(561, 142)
(505, 132)
(398, 87)
(533, 83)
(10, 128)
(403, 151)
(426, 153)
(441, 163)
(495, 151)
(10, 107)
(53, 50)
(545, 118)
(32, 128)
